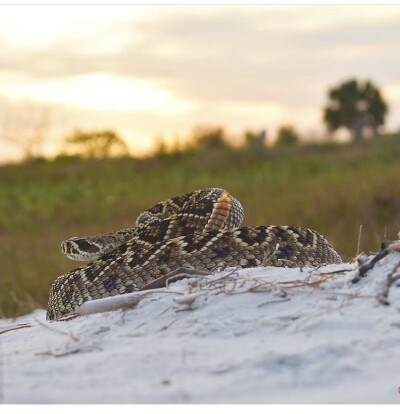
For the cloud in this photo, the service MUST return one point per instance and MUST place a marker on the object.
(236, 64)
(225, 44)
(98, 91)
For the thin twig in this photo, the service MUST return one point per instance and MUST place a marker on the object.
(70, 352)
(359, 240)
(50, 328)
(67, 318)
(185, 275)
(268, 257)
(16, 327)
(335, 271)
(165, 327)
(177, 274)
(348, 295)
(273, 301)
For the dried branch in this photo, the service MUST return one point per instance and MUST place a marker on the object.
(390, 279)
(387, 248)
(112, 303)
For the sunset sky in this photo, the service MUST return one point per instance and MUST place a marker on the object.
(151, 71)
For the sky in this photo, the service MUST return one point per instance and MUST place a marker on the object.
(159, 71)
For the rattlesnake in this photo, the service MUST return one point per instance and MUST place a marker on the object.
(198, 230)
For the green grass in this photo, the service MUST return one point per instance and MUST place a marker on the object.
(332, 188)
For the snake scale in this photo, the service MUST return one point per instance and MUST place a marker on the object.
(199, 230)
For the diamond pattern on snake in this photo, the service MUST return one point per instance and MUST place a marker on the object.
(199, 230)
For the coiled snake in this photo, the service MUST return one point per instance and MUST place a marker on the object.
(199, 230)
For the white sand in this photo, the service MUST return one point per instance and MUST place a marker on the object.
(328, 344)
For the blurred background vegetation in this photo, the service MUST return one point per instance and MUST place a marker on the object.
(95, 186)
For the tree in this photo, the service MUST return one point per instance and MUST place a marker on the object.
(98, 144)
(257, 139)
(287, 136)
(357, 106)
(209, 137)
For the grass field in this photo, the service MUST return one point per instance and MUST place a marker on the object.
(332, 188)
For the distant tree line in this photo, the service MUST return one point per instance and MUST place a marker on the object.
(354, 105)
(357, 106)
(97, 144)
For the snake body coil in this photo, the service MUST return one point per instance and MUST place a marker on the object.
(199, 230)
